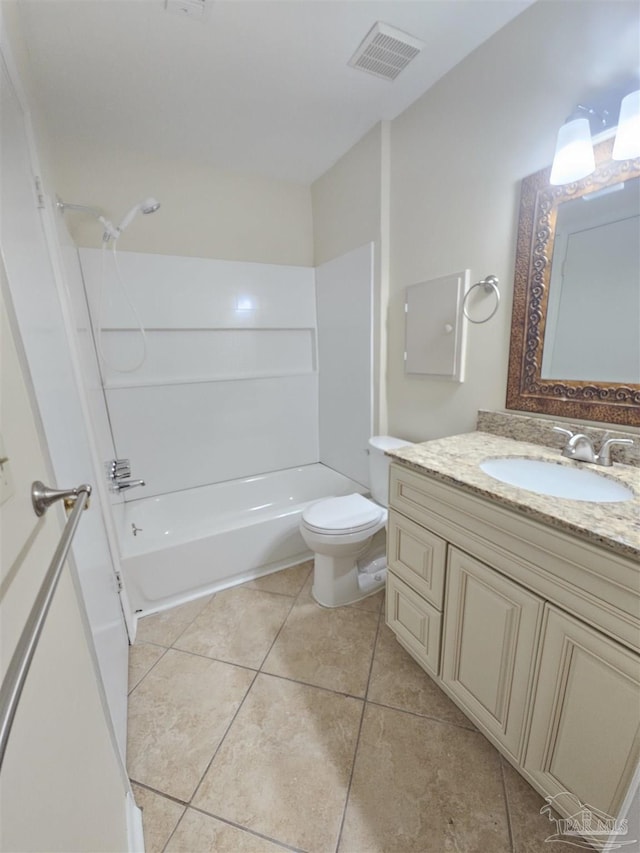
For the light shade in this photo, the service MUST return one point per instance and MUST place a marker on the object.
(574, 153)
(627, 144)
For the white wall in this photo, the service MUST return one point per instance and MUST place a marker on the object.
(62, 785)
(229, 388)
(458, 156)
(44, 327)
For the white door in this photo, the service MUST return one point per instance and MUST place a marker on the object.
(62, 782)
(41, 325)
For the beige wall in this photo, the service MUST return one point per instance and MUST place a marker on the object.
(205, 213)
(457, 158)
(350, 208)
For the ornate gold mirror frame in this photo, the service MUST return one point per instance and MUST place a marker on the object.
(526, 390)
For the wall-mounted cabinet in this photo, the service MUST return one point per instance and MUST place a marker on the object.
(533, 633)
(435, 328)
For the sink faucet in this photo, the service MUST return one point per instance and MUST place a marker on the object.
(580, 447)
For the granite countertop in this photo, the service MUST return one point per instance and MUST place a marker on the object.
(455, 460)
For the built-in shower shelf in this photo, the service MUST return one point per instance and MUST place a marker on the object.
(231, 377)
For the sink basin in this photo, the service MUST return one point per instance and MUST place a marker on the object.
(558, 481)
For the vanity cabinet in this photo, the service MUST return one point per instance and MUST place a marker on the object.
(584, 734)
(491, 630)
(532, 632)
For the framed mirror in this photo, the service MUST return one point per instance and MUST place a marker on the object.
(575, 326)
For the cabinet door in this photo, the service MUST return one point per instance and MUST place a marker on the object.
(415, 623)
(585, 727)
(417, 556)
(491, 629)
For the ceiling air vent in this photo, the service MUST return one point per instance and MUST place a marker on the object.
(385, 51)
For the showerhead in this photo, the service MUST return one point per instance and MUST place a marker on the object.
(149, 205)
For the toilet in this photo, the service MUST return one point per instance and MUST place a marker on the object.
(340, 532)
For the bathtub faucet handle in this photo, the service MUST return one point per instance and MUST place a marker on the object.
(119, 469)
(119, 476)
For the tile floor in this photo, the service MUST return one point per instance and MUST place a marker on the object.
(259, 721)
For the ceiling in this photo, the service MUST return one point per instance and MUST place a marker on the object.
(262, 86)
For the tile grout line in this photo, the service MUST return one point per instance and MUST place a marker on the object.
(355, 751)
(425, 716)
(284, 621)
(151, 668)
(222, 739)
(217, 660)
(507, 807)
(228, 729)
(153, 790)
(239, 826)
(202, 609)
(211, 596)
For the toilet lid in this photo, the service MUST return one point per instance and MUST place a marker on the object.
(347, 514)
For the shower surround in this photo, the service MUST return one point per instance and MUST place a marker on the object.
(231, 415)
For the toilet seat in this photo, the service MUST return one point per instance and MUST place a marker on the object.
(348, 514)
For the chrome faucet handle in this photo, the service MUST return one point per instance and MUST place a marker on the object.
(564, 431)
(118, 468)
(604, 454)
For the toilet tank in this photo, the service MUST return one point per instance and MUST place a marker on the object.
(379, 465)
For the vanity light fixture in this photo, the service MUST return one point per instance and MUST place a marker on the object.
(627, 143)
(574, 160)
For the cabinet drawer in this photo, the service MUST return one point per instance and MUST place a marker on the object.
(417, 556)
(414, 621)
(491, 630)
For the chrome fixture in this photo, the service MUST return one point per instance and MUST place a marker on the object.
(579, 447)
(604, 455)
(123, 485)
(574, 160)
(65, 205)
(489, 285)
(42, 496)
(18, 669)
(118, 474)
(111, 232)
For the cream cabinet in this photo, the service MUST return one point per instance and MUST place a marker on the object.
(491, 629)
(584, 735)
(534, 633)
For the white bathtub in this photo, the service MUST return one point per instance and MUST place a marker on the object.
(202, 540)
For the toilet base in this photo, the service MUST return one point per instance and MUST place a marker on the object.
(338, 581)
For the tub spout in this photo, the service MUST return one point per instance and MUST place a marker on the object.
(123, 485)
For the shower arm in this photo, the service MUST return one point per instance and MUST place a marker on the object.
(65, 205)
(148, 205)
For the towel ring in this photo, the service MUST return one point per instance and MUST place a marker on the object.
(490, 283)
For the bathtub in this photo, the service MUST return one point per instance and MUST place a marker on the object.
(179, 546)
